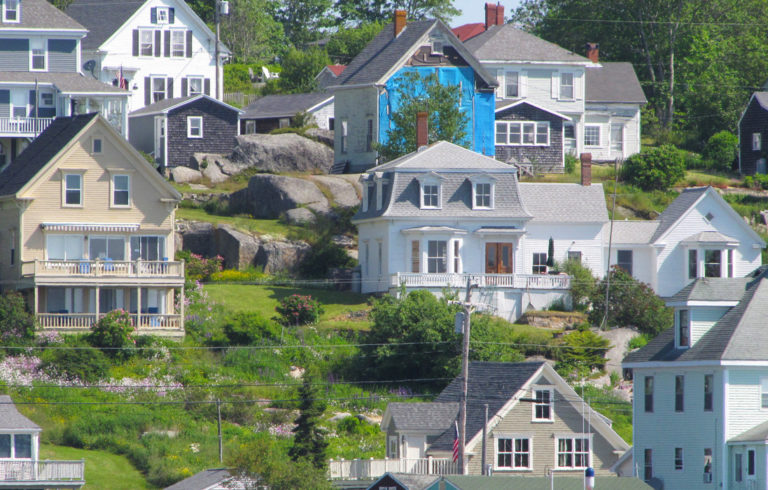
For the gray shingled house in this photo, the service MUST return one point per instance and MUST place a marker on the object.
(753, 131)
(277, 111)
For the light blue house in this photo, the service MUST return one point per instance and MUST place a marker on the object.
(367, 92)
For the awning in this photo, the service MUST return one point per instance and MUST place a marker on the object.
(499, 230)
(104, 227)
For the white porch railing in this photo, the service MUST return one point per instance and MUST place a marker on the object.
(86, 320)
(360, 469)
(450, 280)
(41, 471)
(24, 126)
(99, 268)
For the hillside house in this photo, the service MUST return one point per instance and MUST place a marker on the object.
(329, 75)
(753, 131)
(278, 111)
(88, 228)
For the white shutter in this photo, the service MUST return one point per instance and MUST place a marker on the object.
(500, 80)
(522, 83)
(555, 84)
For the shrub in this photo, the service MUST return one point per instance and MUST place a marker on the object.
(353, 425)
(197, 267)
(234, 275)
(571, 162)
(322, 257)
(16, 323)
(584, 351)
(297, 309)
(84, 363)
(694, 161)
(583, 283)
(720, 151)
(249, 328)
(637, 342)
(655, 168)
(113, 332)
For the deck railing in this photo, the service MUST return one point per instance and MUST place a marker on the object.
(86, 320)
(512, 281)
(41, 471)
(29, 126)
(360, 469)
(100, 268)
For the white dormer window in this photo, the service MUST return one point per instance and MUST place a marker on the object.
(483, 192)
(430, 196)
(162, 15)
(11, 11)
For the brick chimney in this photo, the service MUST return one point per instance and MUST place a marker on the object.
(593, 52)
(422, 130)
(499, 14)
(586, 169)
(400, 21)
(490, 15)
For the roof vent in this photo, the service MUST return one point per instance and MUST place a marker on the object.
(709, 216)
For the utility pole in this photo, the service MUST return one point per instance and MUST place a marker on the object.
(222, 8)
(467, 305)
(221, 447)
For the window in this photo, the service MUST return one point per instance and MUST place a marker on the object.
(196, 88)
(22, 446)
(522, 133)
(73, 190)
(430, 196)
(566, 85)
(539, 263)
(709, 381)
(5, 445)
(96, 145)
(708, 465)
(542, 407)
(11, 11)
(146, 42)
(678, 458)
(730, 262)
(38, 54)
(46, 99)
(147, 247)
(106, 247)
(392, 446)
(750, 462)
(757, 141)
(483, 195)
(194, 126)
(649, 393)
(764, 392)
(572, 452)
(513, 453)
(12, 246)
(437, 256)
(542, 134)
(693, 264)
(624, 260)
(344, 136)
(712, 263)
(158, 89)
(415, 256)
(65, 247)
(364, 261)
(121, 194)
(501, 133)
(575, 256)
(369, 135)
(617, 137)
(684, 328)
(738, 467)
(648, 465)
(178, 44)
(162, 15)
(457, 256)
(592, 135)
(569, 131)
(679, 393)
(512, 85)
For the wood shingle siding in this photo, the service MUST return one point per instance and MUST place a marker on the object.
(219, 131)
(545, 159)
(754, 120)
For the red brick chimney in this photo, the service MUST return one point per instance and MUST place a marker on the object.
(499, 14)
(400, 21)
(494, 15)
(586, 169)
(593, 52)
(422, 130)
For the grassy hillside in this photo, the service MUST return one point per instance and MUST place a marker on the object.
(102, 469)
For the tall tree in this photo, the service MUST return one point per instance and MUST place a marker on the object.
(355, 11)
(300, 67)
(347, 42)
(252, 34)
(304, 20)
(204, 9)
(309, 442)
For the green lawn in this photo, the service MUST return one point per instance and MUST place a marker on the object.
(258, 226)
(102, 469)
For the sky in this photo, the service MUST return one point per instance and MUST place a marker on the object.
(474, 10)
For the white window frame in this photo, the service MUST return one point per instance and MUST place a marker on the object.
(438, 257)
(483, 180)
(573, 438)
(191, 129)
(159, 15)
(366, 204)
(720, 262)
(199, 79)
(751, 472)
(524, 128)
(572, 85)
(679, 321)
(114, 190)
(143, 44)
(550, 404)
(16, 11)
(513, 452)
(587, 128)
(516, 76)
(79, 239)
(12, 454)
(174, 42)
(65, 188)
(534, 265)
(44, 103)
(38, 45)
(154, 91)
(757, 141)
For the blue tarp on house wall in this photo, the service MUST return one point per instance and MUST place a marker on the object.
(479, 107)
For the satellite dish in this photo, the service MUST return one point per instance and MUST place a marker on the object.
(89, 66)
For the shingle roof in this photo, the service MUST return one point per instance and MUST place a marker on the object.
(497, 482)
(494, 383)
(336, 69)
(758, 433)
(710, 237)
(40, 14)
(632, 232)
(468, 31)
(163, 106)
(11, 419)
(101, 18)
(677, 209)
(712, 289)
(202, 480)
(41, 150)
(409, 481)
(65, 82)
(508, 43)
(284, 105)
(613, 82)
(570, 203)
(762, 99)
(442, 156)
(423, 416)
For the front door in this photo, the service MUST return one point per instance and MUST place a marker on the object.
(498, 258)
(160, 140)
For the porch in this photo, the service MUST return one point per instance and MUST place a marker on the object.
(33, 474)
(23, 127)
(73, 322)
(362, 469)
(508, 281)
(103, 268)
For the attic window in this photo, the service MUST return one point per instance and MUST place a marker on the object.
(437, 47)
(162, 15)
(709, 216)
(11, 11)
(96, 145)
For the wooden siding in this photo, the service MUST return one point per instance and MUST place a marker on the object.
(755, 120)
(548, 159)
(219, 131)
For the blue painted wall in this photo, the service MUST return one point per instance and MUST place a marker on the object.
(478, 106)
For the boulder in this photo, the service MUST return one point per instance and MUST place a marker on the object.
(324, 136)
(299, 216)
(344, 193)
(200, 160)
(268, 196)
(214, 174)
(197, 237)
(287, 152)
(184, 175)
(281, 256)
(238, 249)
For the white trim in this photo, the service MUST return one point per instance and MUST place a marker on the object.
(191, 127)
(522, 125)
(113, 189)
(6, 9)
(534, 105)
(152, 41)
(64, 174)
(551, 404)
(43, 46)
(140, 112)
(513, 436)
(573, 437)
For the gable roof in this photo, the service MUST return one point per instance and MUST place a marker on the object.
(336, 69)
(385, 52)
(11, 419)
(631, 232)
(167, 105)
(202, 480)
(420, 416)
(468, 31)
(40, 14)
(102, 18)
(613, 82)
(676, 209)
(505, 104)
(568, 203)
(66, 82)
(712, 289)
(407, 480)
(758, 433)
(285, 105)
(508, 43)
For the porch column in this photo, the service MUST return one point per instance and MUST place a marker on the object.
(138, 307)
(98, 301)
(36, 301)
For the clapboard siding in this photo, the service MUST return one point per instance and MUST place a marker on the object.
(62, 55)
(14, 54)
(702, 319)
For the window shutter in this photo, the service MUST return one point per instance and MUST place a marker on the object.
(171, 15)
(147, 90)
(135, 42)
(153, 15)
(158, 41)
(500, 79)
(555, 84)
(578, 86)
(523, 84)
(207, 86)
(170, 87)
(167, 43)
(184, 87)
(189, 44)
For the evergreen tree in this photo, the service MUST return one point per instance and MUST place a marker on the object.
(309, 442)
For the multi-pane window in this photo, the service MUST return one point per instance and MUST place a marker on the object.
(482, 195)
(162, 15)
(513, 453)
(709, 382)
(106, 248)
(574, 255)
(523, 133)
(146, 42)
(178, 44)
(542, 407)
(684, 328)
(196, 87)
(624, 260)
(430, 196)
(16, 446)
(693, 264)
(712, 263)
(46, 99)
(369, 135)
(592, 135)
(11, 11)
(569, 131)
(679, 393)
(194, 127)
(738, 467)
(147, 247)
(757, 141)
(764, 392)
(415, 256)
(120, 190)
(73, 189)
(512, 84)
(158, 89)
(38, 54)
(573, 452)
(539, 263)
(566, 85)
(648, 464)
(437, 256)
(678, 458)
(648, 393)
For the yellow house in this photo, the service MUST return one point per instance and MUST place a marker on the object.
(87, 227)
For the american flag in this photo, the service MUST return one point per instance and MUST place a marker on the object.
(121, 81)
(455, 441)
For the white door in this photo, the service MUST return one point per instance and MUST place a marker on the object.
(617, 140)
(160, 140)
(19, 99)
(414, 451)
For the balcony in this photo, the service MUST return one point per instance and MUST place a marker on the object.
(366, 469)
(59, 474)
(78, 270)
(507, 281)
(26, 127)
(82, 321)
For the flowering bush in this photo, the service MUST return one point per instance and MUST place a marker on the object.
(234, 275)
(114, 332)
(297, 309)
(16, 323)
(197, 267)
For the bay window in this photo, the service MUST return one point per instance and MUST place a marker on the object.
(16, 446)
(713, 263)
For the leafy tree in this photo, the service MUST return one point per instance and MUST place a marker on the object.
(303, 20)
(309, 442)
(16, 323)
(251, 33)
(441, 102)
(383, 10)
(583, 283)
(61, 4)
(300, 67)
(204, 9)
(631, 303)
(584, 351)
(721, 150)
(114, 333)
(346, 43)
(655, 168)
